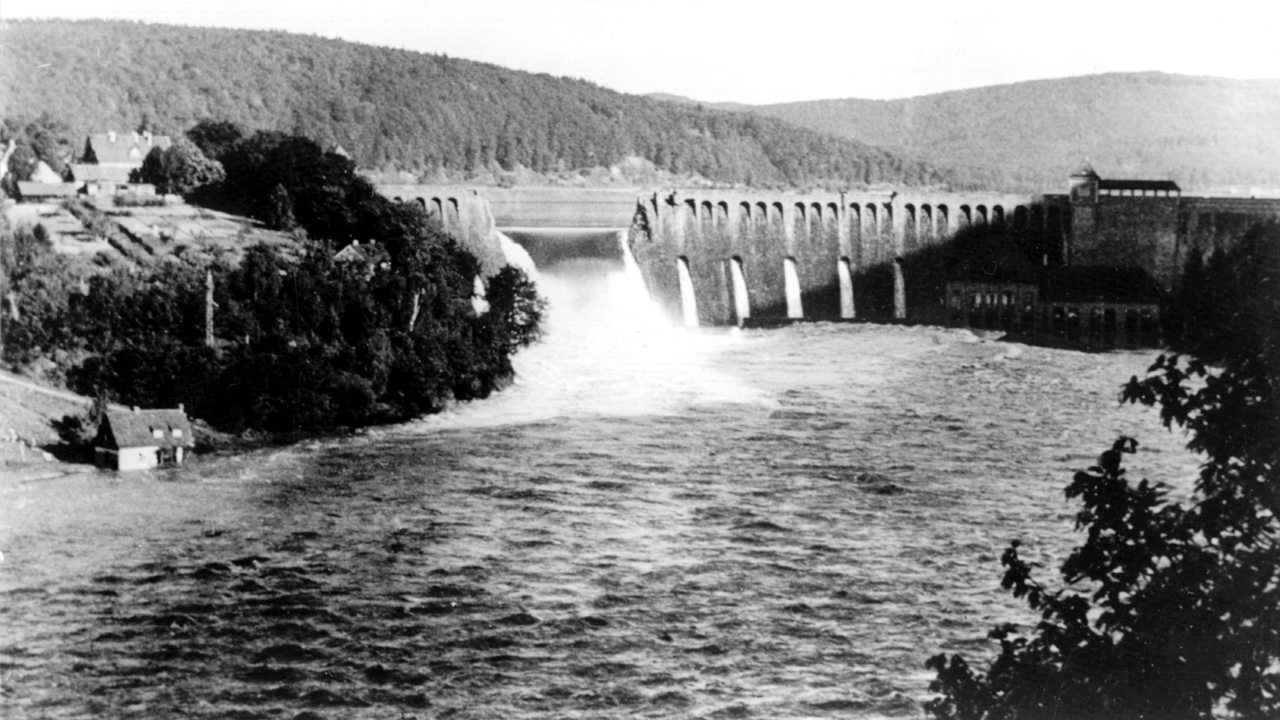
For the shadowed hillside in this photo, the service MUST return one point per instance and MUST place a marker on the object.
(1202, 132)
(437, 117)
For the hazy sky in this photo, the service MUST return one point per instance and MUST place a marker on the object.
(760, 52)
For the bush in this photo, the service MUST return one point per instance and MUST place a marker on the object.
(1167, 610)
(137, 200)
(179, 169)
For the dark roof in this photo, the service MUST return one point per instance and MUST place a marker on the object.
(122, 148)
(137, 428)
(1139, 185)
(1102, 284)
(39, 189)
(369, 253)
(351, 253)
(1086, 170)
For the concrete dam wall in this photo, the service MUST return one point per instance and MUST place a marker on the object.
(532, 207)
(762, 257)
(738, 256)
(729, 257)
(462, 213)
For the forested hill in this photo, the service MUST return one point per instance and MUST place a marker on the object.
(391, 109)
(1202, 132)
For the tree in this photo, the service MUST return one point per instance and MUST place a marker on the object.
(179, 169)
(303, 341)
(515, 305)
(215, 137)
(1168, 610)
(44, 139)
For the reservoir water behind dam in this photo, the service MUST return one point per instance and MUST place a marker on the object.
(654, 521)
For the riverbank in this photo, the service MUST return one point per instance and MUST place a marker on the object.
(31, 448)
(27, 413)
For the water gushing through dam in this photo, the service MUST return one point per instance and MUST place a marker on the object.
(608, 347)
(654, 521)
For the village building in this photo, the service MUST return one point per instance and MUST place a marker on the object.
(111, 160)
(114, 150)
(133, 439)
(352, 253)
(365, 259)
(44, 185)
(29, 191)
(97, 180)
(45, 174)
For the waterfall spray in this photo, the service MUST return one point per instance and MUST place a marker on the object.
(688, 301)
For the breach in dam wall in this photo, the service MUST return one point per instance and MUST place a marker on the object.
(1105, 248)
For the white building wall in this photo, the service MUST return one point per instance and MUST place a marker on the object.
(137, 458)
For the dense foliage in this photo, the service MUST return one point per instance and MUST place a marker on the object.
(386, 332)
(215, 137)
(1168, 610)
(40, 139)
(179, 169)
(1031, 135)
(428, 114)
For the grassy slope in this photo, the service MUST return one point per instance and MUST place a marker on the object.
(27, 411)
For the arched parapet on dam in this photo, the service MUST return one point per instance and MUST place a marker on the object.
(827, 242)
(462, 213)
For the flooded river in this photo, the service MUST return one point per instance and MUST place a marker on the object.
(653, 522)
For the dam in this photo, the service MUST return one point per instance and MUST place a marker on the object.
(1099, 257)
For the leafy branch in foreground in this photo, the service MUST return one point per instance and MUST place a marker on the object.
(1168, 610)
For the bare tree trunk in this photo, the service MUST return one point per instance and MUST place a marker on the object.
(208, 308)
(417, 305)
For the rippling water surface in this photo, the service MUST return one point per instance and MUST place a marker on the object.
(653, 522)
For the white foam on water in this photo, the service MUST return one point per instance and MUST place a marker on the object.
(688, 300)
(607, 350)
(516, 255)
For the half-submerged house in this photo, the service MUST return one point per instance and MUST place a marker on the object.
(140, 439)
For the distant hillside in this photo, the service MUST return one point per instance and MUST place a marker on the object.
(682, 100)
(1201, 132)
(392, 109)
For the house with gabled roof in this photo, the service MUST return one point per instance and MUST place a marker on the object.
(92, 173)
(367, 258)
(45, 174)
(133, 439)
(45, 192)
(121, 150)
(111, 158)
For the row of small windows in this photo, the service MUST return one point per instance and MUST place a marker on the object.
(1130, 192)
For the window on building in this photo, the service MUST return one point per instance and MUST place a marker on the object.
(177, 432)
(157, 432)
